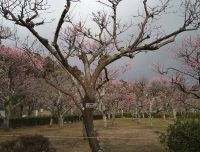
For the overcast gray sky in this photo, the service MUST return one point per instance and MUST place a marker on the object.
(142, 63)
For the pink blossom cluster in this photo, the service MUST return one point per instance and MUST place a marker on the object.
(189, 53)
(32, 59)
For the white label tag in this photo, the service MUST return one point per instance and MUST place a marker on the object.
(91, 105)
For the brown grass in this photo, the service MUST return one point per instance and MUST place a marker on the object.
(125, 136)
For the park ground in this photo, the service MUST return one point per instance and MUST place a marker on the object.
(125, 135)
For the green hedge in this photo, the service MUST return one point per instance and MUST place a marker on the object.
(161, 114)
(44, 120)
(127, 115)
(29, 121)
(71, 118)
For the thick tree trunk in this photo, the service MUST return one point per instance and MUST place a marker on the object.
(150, 111)
(143, 115)
(174, 113)
(21, 110)
(108, 116)
(105, 120)
(6, 120)
(84, 131)
(89, 126)
(29, 111)
(136, 112)
(91, 133)
(122, 112)
(113, 117)
(51, 122)
(151, 120)
(164, 116)
(61, 121)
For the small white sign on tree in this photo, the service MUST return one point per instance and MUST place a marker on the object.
(91, 105)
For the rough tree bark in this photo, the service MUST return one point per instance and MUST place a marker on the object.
(105, 120)
(113, 117)
(89, 126)
(164, 116)
(61, 121)
(6, 120)
(84, 131)
(174, 113)
(51, 122)
(150, 111)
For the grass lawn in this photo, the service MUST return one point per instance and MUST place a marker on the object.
(125, 135)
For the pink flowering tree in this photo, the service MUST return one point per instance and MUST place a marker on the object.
(157, 95)
(189, 57)
(111, 98)
(176, 102)
(129, 98)
(115, 98)
(16, 72)
(29, 94)
(139, 89)
(97, 49)
(167, 96)
(61, 95)
(58, 104)
(32, 97)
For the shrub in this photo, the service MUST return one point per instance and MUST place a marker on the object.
(34, 143)
(182, 136)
